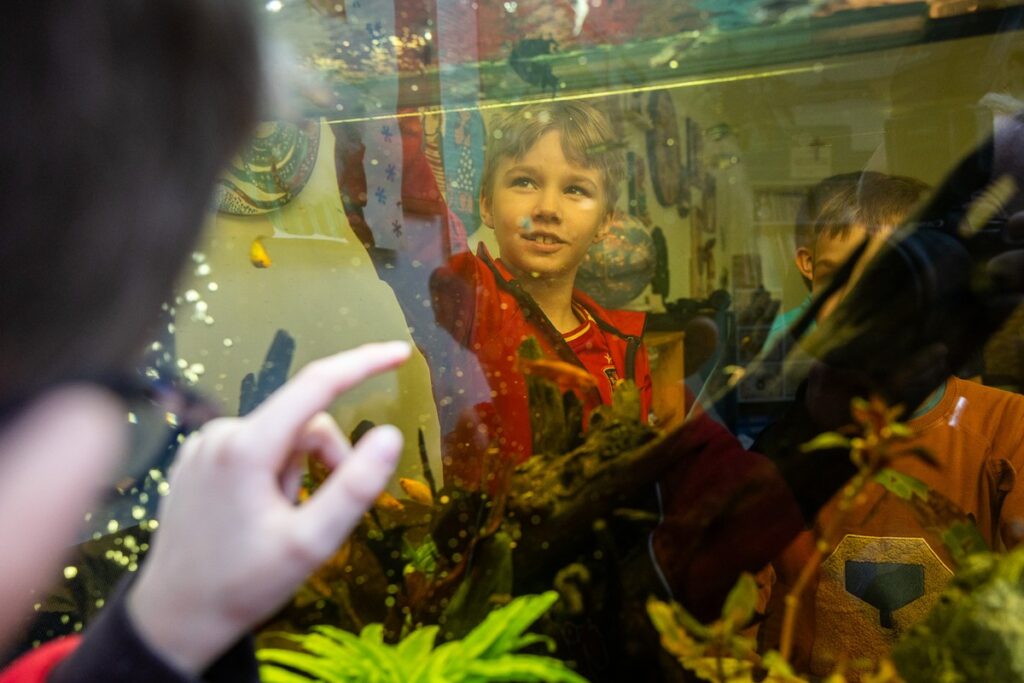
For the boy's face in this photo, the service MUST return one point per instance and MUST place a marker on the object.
(545, 210)
(830, 253)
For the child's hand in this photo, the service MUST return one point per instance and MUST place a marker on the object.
(232, 546)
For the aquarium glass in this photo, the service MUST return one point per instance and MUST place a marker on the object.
(818, 202)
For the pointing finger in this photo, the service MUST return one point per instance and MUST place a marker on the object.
(277, 424)
(321, 440)
(338, 505)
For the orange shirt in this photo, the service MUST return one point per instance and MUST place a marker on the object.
(888, 568)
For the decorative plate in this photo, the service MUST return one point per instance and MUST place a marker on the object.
(663, 148)
(271, 170)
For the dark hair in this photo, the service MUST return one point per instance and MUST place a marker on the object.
(871, 200)
(117, 116)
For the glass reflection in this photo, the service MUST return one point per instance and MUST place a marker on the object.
(646, 256)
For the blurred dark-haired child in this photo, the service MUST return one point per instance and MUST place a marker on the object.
(887, 567)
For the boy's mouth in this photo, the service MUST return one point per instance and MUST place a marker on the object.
(542, 237)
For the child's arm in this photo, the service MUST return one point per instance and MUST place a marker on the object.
(429, 251)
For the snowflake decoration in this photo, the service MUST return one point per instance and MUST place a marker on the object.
(390, 172)
(381, 195)
(396, 228)
(387, 133)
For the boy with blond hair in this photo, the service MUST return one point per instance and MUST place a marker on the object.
(550, 182)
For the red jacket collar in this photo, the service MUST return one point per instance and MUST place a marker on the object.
(627, 323)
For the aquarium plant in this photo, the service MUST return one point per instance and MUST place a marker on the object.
(975, 633)
(490, 652)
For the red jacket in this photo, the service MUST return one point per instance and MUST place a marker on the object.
(480, 304)
(35, 666)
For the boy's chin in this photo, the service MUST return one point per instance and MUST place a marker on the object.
(538, 271)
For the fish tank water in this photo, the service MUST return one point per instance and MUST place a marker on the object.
(784, 416)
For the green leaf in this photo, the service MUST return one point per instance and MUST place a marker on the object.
(902, 485)
(963, 539)
(329, 651)
(372, 633)
(311, 665)
(826, 441)
(501, 630)
(532, 639)
(490, 575)
(900, 430)
(708, 668)
(272, 674)
(691, 623)
(674, 637)
(446, 664)
(417, 645)
(741, 602)
(777, 666)
(422, 557)
(524, 669)
(374, 656)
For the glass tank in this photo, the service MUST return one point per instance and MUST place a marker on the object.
(715, 373)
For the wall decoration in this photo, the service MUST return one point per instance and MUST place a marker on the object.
(618, 268)
(271, 170)
(710, 194)
(663, 143)
(463, 152)
(694, 153)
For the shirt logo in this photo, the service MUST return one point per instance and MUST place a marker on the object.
(871, 589)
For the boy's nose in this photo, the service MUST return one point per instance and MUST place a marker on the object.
(548, 207)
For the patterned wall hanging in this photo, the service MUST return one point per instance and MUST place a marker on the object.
(271, 170)
(463, 151)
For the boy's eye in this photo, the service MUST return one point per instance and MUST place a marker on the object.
(523, 181)
(577, 190)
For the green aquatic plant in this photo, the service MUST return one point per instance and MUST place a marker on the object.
(721, 652)
(490, 652)
(975, 633)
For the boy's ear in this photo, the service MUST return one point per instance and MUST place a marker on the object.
(805, 262)
(485, 211)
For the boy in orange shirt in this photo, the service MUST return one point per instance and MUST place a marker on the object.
(887, 568)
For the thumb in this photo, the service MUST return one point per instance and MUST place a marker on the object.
(338, 505)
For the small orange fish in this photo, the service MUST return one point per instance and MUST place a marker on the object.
(564, 373)
(258, 255)
(385, 501)
(418, 491)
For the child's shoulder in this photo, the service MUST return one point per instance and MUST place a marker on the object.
(627, 323)
(997, 413)
(987, 397)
